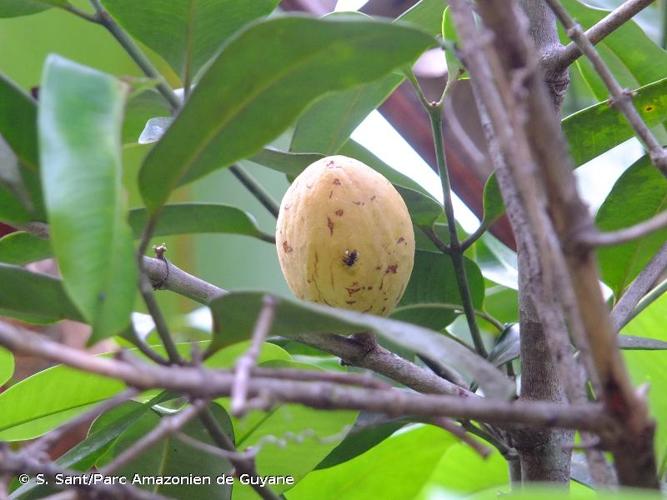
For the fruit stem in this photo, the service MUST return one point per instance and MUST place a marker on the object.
(456, 250)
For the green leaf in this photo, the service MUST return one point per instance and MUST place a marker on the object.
(15, 8)
(426, 14)
(45, 400)
(80, 118)
(494, 206)
(328, 123)
(171, 457)
(11, 209)
(10, 176)
(463, 472)
(34, 297)
(18, 128)
(598, 128)
(256, 99)
(640, 193)
(497, 262)
(292, 164)
(19, 248)
(186, 33)
(191, 218)
(6, 365)
(397, 468)
(454, 66)
(633, 57)
(234, 318)
(365, 435)
(433, 283)
(18, 122)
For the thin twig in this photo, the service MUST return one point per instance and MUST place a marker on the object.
(256, 189)
(78, 12)
(596, 33)
(441, 245)
(597, 239)
(167, 426)
(620, 97)
(456, 252)
(460, 432)
(248, 360)
(479, 232)
(105, 19)
(215, 450)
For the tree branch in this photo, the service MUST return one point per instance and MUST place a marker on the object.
(203, 383)
(598, 239)
(620, 97)
(596, 33)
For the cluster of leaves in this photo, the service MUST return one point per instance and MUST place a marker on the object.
(268, 93)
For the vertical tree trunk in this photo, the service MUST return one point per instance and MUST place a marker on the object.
(544, 454)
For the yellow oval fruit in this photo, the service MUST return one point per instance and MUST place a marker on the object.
(345, 238)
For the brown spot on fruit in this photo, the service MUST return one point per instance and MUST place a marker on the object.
(330, 194)
(331, 163)
(648, 108)
(400, 240)
(330, 225)
(358, 203)
(377, 268)
(373, 198)
(384, 308)
(350, 302)
(339, 212)
(351, 291)
(369, 288)
(391, 269)
(367, 309)
(336, 182)
(286, 247)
